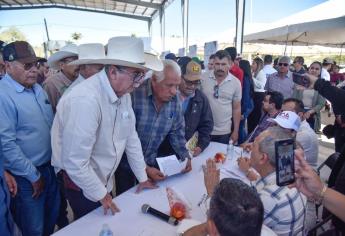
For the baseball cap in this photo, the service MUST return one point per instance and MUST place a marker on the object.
(171, 56)
(327, 61)
(287, 120)
(19, 51)
(193, 71)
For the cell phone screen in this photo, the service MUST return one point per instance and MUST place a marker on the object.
(285, 162)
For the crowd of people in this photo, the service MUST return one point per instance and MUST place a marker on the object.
(91, 117)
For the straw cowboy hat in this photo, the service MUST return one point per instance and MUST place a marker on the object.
(89, 53)
(70, 50)
(129, 51)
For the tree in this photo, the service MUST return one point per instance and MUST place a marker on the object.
(76, 36)
(12, 34)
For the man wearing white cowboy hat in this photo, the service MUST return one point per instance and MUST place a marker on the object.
(95, 124)
(88, 54)
(56, 84)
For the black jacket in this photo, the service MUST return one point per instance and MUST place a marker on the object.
(333, 94)
(198, 117)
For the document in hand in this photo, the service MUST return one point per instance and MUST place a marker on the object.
(170, 165)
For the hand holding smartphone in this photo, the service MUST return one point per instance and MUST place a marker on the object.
(300, 80)
(285, 162)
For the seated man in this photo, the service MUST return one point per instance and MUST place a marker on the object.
(232, 202)
(306, 136)
(158, 115)
(272, 104)
(284, 207)
(197, 111)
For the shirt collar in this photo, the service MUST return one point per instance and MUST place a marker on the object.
(107, 87)
(149, 87)
(270, 179)
(227, 78)
(18, 87)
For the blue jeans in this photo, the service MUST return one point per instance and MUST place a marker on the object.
(36, 217)
(242, 134)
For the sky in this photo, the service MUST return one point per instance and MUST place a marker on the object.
(206, 17)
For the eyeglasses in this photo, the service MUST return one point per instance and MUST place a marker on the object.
(190, 83)
(28, 66)
(283, 64)
(137, 76)
(216, 91)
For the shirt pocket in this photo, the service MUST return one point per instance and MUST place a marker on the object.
(126, 124)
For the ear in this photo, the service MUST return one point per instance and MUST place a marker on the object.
(211, 228)
(264, 159)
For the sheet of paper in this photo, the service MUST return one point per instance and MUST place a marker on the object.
(170, 165)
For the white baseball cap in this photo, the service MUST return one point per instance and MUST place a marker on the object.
(287, 120)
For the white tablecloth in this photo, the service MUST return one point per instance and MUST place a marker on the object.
(131, 221)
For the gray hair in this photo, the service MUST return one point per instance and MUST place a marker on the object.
(167, 63)
(285, 59)
(267, 145)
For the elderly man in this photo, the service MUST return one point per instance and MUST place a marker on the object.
(87, 54)
(284, 207)
(26, 118)
(196, 109)
(282, 80)
(223, 91)
(159, 115)
(95, 124)
(56, 84)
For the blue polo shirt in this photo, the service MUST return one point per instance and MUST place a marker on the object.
(25, 121)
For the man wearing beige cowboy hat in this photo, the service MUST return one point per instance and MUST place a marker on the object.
(95, 124)
(56, 84)
(88, 54)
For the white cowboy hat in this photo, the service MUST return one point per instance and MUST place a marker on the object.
(129, 51)
(70, 50)
(89, 53)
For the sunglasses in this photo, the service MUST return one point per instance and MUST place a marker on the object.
(190, 83)
(28, 66)
(283, 64)
(216, 91)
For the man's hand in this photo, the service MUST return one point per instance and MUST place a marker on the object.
(234, 137)
(312, 79)
(154, 174)
(38, 187)
(188, 166)
(196, 151)
(308, 114)
(211, 176)
(247, 146)
(108, 204)
(11, 184)
(243, 164)
(148, 184)
(307, 181)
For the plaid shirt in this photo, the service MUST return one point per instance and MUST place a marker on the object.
(262, 126)
(284, 208)
(153, 126)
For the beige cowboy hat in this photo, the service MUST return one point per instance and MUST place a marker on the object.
(129, 51)
(89, 53)
(70, 50)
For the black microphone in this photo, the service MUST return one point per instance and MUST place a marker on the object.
(147, 209)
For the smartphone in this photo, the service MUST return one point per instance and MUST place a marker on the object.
(300, 80)
(285, 161)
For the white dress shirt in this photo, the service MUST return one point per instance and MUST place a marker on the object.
(75, 82)
(268, 69)
(91, 131)
(325, 74)
(260, 81)
(309, 141)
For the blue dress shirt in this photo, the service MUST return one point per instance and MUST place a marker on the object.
(26, 117)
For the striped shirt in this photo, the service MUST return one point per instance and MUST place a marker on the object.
(153, 126)
(284, 208)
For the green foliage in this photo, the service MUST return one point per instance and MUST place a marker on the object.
(12, 34)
